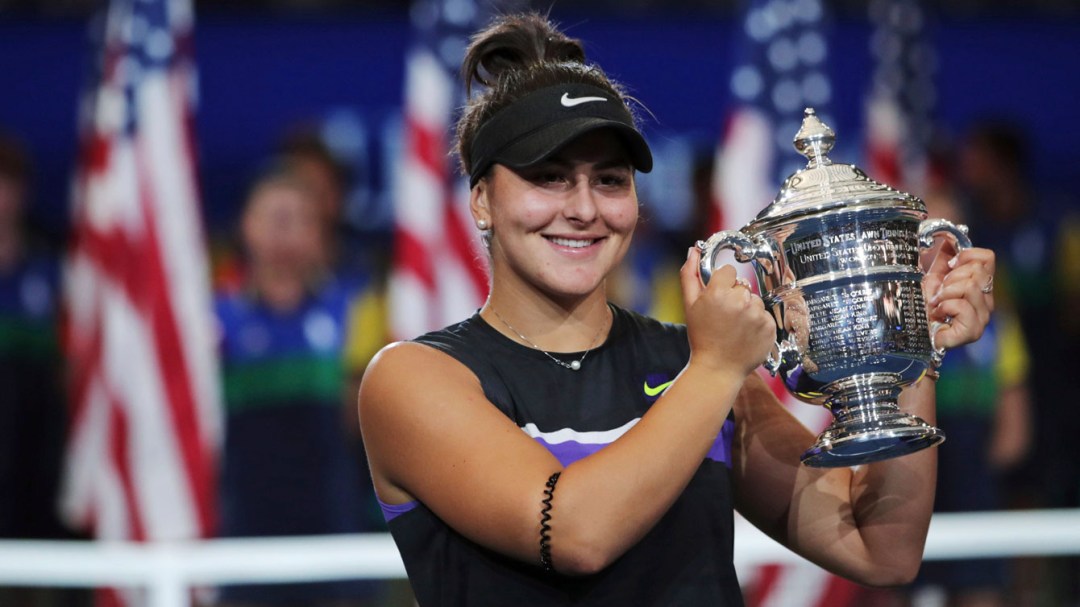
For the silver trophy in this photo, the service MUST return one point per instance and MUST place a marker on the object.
(836, 257)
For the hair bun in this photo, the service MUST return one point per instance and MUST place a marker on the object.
(516, 42)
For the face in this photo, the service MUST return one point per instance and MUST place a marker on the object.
(324, 186)
(11, 201)
(561, 226)
(281, 228)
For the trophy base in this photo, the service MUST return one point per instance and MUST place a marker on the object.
(865, 432)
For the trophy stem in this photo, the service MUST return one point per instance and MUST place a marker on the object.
(868, 425)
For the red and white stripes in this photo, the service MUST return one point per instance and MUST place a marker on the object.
(439, 274)
(139, 333)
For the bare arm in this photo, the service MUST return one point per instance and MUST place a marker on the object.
(432, 436)
(867, 524)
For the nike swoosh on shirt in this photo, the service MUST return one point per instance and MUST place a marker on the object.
(568, 101)
(649, 391)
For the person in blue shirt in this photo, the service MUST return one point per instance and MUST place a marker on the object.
(288, 466)
(33, 416)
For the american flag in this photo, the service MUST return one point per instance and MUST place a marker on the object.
(139, 332)
(898, 129)
(439, 274)
(780, 70)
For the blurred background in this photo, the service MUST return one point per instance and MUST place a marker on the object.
(321, 219)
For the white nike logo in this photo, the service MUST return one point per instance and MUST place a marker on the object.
(567, 101)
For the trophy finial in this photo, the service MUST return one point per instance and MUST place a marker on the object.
(815, 139)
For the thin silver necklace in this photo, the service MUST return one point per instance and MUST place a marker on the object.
(573, 365)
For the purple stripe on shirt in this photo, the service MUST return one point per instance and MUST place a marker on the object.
(392, 511)
(568, 452)
(721, 449)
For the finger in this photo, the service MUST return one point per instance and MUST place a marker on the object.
(979, 256)
(965, 326)
(968, 291)
(970, 282)
(743, 285)
(723, 278)
(967, 263)
(931, 286)
(689, 277)
(957, 282)
(939, 256)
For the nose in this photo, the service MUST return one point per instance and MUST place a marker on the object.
(581, 204)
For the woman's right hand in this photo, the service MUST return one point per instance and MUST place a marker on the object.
(728, 326)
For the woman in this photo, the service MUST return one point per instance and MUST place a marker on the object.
(554, 449)
(287, 465)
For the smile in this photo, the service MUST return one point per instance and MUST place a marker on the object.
(572, 243)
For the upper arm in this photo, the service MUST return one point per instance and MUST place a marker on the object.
(431, 435)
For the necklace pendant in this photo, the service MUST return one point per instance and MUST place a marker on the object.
(575, 365)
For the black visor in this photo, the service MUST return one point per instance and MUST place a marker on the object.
(539, 124)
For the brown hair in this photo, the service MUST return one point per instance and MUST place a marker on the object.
(512, 57)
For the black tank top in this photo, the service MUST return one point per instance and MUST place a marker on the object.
(686, 559)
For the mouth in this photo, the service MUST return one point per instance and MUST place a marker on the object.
(572, 243)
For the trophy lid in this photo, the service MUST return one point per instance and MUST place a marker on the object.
(823, 186)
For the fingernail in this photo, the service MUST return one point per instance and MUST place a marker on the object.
(689, 252)
(953, 261)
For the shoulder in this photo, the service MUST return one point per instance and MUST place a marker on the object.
(469, 342)
(409, 384)
(233, 306)
(227, 306)
(407, 366)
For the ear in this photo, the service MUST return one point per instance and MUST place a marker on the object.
(478, 202)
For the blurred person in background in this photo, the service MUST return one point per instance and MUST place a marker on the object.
(33, 416)
(1038, 276)
(305, 155)
(289, 467)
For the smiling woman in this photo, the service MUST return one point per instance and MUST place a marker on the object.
(555, 449)
(560, 226)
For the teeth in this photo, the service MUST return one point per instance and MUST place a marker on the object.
(576, 244)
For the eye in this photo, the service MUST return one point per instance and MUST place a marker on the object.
(547, 176)
(614, 179)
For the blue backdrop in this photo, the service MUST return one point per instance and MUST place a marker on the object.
(260, 75)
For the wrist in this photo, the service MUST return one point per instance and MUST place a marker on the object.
(719, 371)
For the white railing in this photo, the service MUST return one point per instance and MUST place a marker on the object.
(169, 570)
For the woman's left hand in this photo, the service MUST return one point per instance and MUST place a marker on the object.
(960, 295)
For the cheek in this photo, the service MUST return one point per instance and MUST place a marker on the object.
(530, 214)
(622, 215)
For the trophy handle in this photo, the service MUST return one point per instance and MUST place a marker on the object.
(928, 229)
(745, 248)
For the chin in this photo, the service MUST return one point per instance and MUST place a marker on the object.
(564, 290)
